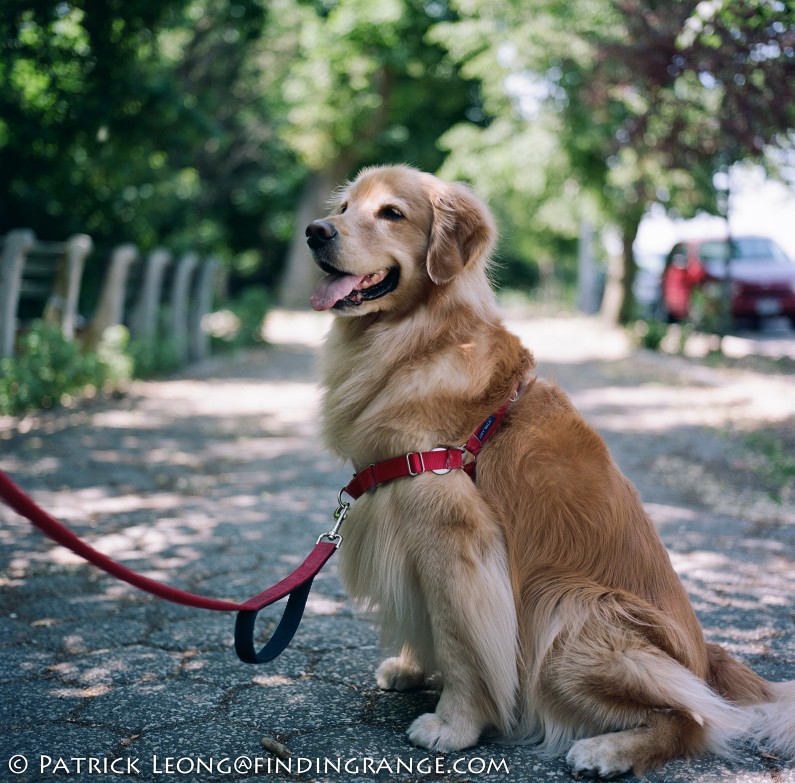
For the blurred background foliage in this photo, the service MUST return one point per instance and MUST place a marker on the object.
(222, 125)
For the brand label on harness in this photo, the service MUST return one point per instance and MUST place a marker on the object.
(487, 425)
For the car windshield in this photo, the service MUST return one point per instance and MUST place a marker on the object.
(742, 247)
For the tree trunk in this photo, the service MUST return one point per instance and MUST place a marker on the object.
(587, 283)
(300, 273)
(618, 304)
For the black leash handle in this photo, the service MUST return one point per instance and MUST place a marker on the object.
(297, 587)
(281, 637)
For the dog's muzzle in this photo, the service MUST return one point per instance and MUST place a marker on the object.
(319, 233)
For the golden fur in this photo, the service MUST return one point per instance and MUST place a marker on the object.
(540, 597)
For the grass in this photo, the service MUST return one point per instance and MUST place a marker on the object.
(773, 463)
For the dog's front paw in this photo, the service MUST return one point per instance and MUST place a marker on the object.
(398, 674)
(599, 757)
(432, 732)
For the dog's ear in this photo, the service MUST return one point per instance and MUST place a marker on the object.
(463, 232)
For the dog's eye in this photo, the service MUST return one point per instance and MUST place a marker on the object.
(343, 208)
(390, 213)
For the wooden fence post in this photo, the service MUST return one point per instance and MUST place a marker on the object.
(180, 301)
(144, 318)
(110, 308)
(202, 303)
(16, 246)
(61, 308)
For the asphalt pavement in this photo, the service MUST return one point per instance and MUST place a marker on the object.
(215, 481)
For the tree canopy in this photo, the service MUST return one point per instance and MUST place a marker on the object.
(218, 124)
(135, 121)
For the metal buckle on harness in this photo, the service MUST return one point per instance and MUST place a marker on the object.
(408, 463)
(424, 467)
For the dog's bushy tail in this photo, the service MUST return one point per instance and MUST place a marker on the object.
(769, 707)
(773, 723)
(663, 680)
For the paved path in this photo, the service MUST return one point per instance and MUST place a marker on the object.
(215, 482)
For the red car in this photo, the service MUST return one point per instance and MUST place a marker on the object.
(761, 278)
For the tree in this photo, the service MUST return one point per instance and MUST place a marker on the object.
(720, 75)
(516, 161)
(652, 97)
(68, 93)
(544, 77)
(144, 122)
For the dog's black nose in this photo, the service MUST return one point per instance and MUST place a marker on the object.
(318, 232)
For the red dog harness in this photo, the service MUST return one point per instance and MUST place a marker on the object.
(439, 460)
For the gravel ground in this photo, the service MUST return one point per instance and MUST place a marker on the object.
(214, 481)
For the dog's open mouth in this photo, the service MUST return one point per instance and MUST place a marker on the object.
(338, 289)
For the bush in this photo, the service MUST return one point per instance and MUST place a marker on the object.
(50, 369)
(153, 357)
(649, 334)
(240, 324)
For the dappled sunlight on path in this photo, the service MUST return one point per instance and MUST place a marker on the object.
(215, 481)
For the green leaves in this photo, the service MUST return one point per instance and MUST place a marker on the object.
(49, 370)
(198, 122)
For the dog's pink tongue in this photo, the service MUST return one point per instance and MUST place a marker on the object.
(332, 288)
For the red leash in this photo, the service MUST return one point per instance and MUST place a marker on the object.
(298, 584)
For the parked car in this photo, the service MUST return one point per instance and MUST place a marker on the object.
(761, 278)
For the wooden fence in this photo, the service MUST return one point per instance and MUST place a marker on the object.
(157, 295)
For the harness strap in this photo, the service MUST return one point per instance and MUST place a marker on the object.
(412, 464)
(489, 425)
(440, 460)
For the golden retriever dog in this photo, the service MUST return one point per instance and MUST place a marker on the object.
(539, 595)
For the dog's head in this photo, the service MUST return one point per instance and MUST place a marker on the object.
(394, 235)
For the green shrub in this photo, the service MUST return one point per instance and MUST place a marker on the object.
(706, 308)
(240, 323)
(153, 357)
(50, 369)
(649, 334)
(113, 353)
